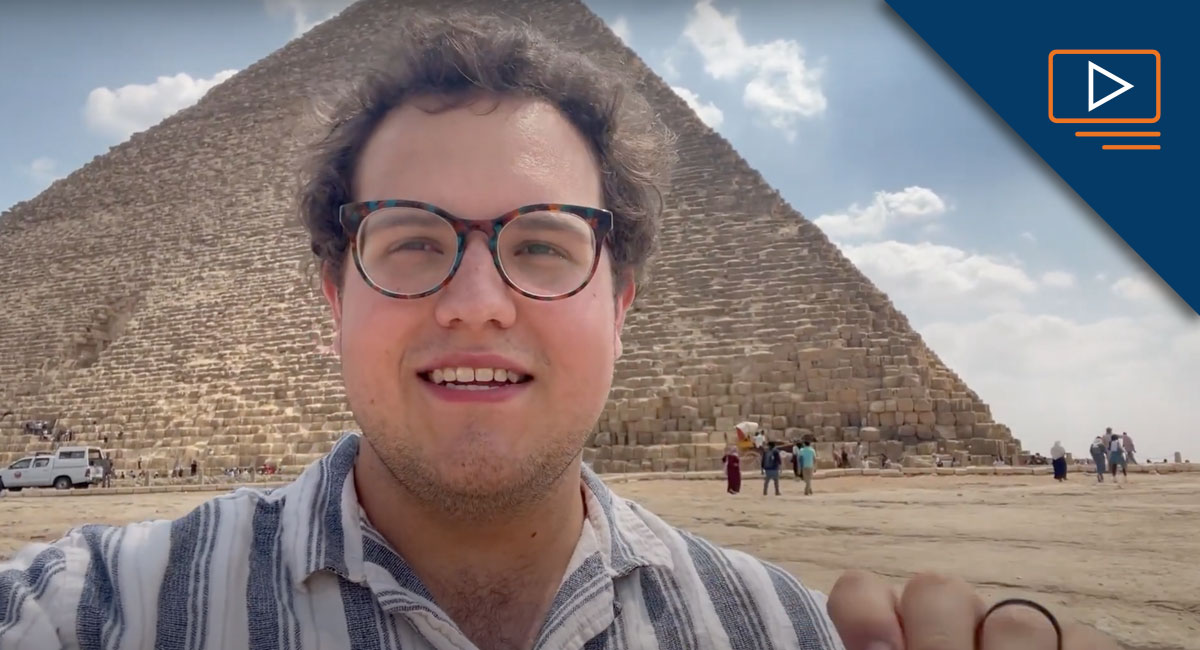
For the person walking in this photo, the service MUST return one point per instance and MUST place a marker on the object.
(770, 464)
(1098, 457)
(808, 463)
(1058, 456)
(796, 446)
(1116, 456)
(1127, 445)
(733, 470)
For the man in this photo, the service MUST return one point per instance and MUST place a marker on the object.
(771, 461)
(460, 330)
(1127, 445)
(808, 464)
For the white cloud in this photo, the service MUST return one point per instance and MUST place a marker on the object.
(782, 87)
(1101, 277)
(1029, 237)
(1053, 378)
(1058, 279)
(908, 205)
(122, 112)
(306, 14)
(43, 171)
(620, 27)
(1136, 289)
(708, 112)
(938, 281)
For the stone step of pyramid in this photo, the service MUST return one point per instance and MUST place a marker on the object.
(147, 325)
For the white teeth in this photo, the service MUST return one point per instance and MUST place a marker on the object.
(465, 375)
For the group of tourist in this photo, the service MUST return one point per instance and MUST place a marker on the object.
(1116, 450)
(1109, 451)
(800, 453)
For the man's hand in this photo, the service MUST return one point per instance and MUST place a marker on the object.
(937, 612)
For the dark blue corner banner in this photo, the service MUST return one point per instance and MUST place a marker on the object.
(1106, 93)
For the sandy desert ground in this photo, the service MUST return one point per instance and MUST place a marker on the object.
(1125, 560)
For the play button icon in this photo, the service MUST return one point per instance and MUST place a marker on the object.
(1085, 83)
(1092, 70)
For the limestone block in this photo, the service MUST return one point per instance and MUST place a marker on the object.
(910, 417)
(878, 406)
(945, 431)
(677, 465)
(926, 417)
(904, 404)
(887, 419)
(869, 434)
(850, 434)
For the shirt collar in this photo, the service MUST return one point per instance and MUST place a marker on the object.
(323, 522)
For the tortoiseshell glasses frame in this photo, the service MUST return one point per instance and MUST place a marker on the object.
(353, 215)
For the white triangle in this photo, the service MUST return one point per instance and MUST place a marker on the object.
(1092, 70)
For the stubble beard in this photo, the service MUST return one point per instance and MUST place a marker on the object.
(467, 484)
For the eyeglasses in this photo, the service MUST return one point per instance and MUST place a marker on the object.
(411, 249)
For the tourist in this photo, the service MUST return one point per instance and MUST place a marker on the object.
(1116, 456)
(1128, 448)
(771, 462)
(733, 470)
(1058, 457)
(845, 458)
(1098, 457)
(808, 464)
(477, 363)
(795, 449)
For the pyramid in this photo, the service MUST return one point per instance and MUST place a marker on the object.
(155, 297)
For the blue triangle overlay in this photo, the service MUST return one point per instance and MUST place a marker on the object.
(1003, 52)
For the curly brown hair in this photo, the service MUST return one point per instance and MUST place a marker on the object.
(461, 57)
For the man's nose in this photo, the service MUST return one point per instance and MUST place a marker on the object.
(476, 295)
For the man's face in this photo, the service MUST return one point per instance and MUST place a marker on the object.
(489, 449)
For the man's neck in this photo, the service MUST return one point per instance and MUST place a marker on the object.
(515, 562)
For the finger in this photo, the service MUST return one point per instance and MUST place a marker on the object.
(939, 613)
(863, 609)
(1018, 627)
(1081, 637)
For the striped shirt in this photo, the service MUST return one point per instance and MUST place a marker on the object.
(301, 567)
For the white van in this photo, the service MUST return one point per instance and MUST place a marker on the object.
(64, 468)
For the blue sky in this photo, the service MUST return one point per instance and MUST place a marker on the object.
(1007, 274)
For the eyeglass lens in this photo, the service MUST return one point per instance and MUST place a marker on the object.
(410, 251)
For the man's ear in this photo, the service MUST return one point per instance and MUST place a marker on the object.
(333, 295)
(622, 301)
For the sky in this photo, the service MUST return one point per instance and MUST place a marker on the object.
(1015, 283)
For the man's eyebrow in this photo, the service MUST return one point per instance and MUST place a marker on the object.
(549, 221)
(409, 217)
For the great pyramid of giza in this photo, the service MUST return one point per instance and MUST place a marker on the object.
(157, 292)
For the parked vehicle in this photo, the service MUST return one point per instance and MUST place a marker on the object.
(63, 468)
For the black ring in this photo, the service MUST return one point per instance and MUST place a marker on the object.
(1027, 603)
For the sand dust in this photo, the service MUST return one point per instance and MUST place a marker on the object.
(1124, 560)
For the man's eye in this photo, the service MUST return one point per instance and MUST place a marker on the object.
(415, 245)
(537, 248)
